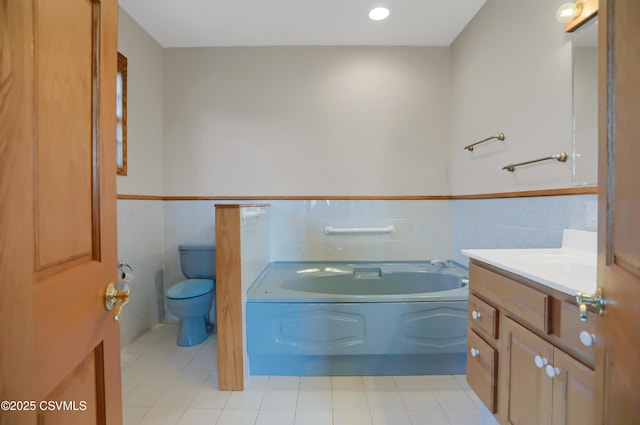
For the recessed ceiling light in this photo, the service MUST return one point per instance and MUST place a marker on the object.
(379, 13)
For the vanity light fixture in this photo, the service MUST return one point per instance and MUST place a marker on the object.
(379, 14)
(575, 14)
(568, 12)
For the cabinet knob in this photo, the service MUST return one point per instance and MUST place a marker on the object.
(552, 371)
(474, 352)
(540, 362)
(475, 314)
(587, 339)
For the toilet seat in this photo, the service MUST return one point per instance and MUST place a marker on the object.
(190, 288)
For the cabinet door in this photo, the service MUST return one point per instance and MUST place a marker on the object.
(482, 369)
(527, 388)
(573, 391)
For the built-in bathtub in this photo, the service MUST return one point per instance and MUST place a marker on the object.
(320, 318)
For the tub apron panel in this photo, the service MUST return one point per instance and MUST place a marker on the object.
(375, 338)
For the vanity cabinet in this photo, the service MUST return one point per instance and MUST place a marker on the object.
(529, 358)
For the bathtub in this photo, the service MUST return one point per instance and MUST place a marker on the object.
(320, 318)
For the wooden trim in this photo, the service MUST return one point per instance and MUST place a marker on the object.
(122, 69)
(241, 205)
(587, 190)
(96, 141)
(284, 198)
(142, 197)
(229, 300)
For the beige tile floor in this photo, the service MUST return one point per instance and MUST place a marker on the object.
(163, 384)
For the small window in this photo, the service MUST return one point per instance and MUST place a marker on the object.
(121, 115)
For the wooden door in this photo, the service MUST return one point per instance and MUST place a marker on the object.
(573, 391)
(526, 387)
(57, 224)
(618, 331)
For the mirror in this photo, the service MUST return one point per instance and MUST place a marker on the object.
(585, 104)
(121, 115)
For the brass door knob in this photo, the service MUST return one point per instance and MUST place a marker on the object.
(113, 296)
(595, 300)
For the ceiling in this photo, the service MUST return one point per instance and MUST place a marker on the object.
(198, 23)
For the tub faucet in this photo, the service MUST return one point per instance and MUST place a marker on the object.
(444, 263)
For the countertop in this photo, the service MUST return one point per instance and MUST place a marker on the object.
(569, 269)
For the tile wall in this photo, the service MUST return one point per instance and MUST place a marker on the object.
(256, 256)
(535, 222)
(140, 244)
(422, 230)
(255, 240)
(149, 233)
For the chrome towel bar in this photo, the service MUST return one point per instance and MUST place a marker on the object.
(499, 136)
(560, 157)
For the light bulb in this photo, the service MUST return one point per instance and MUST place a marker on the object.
(567, 12)
(379, 13)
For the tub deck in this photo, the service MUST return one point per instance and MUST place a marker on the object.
(358, 282)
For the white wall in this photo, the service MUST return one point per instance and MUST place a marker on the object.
(144, 109)
(245, 121)
(511, 73)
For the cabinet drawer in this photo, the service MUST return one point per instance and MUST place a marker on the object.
(571, 327)
(483, 316)
(521, 301)
(482, 368)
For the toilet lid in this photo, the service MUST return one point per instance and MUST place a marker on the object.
(190, 288)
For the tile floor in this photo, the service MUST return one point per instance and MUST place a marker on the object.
(163, 384)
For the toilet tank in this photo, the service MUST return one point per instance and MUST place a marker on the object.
(198, 261)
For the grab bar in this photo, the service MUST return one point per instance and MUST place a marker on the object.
(330, 230)
(499, 136)
(560, 157)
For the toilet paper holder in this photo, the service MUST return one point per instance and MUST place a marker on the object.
(122, 265)
(123, 273)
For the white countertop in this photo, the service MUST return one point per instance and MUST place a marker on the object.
(569, 269)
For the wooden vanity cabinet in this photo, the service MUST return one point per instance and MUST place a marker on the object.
(525, 357)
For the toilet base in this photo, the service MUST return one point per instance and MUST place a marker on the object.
(194, 330)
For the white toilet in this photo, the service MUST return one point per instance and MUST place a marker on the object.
(190, 300)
